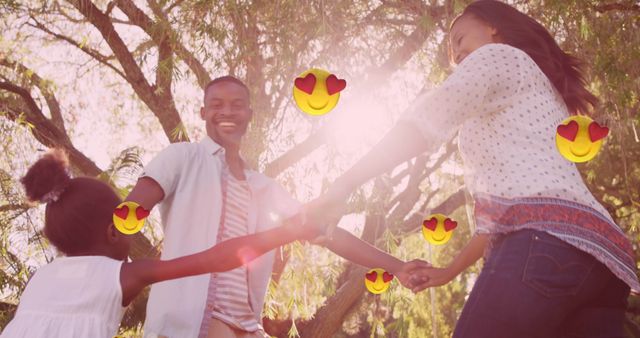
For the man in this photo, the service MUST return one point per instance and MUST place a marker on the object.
(206, 195)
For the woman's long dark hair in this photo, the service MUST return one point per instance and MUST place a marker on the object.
(523, 32)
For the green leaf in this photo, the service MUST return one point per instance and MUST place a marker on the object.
(179, 132)
(83, 42)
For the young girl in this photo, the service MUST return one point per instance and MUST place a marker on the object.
(557, 265)
(85, 293)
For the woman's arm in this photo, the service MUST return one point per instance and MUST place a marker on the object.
(224, 256)
(429, 277)
(470, 254)
(403, 142)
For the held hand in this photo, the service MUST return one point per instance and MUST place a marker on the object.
(408, 269)
(430, 277)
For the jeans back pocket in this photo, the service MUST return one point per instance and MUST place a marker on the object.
(555, 268)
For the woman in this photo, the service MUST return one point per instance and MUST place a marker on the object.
(556, 262)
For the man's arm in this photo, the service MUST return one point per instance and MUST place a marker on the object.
(147, 193)
(354, 249)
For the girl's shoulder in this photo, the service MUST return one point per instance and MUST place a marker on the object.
(76, 295)
(82, 278)
(77, 269)
(83, 261)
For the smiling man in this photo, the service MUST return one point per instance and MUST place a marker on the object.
(206, 195)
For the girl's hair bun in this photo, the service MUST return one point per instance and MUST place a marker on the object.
(46, 180)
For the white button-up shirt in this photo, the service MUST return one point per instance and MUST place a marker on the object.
(190, 174)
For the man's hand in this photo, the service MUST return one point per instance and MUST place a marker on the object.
(429, 277)
(408, 269)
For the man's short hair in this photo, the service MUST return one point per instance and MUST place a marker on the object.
(227, 78)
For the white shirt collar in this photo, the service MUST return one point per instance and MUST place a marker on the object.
(213, 148)
(210, 145)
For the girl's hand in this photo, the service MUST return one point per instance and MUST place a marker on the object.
(430, 277)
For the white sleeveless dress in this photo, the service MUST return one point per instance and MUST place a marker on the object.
(76, 296)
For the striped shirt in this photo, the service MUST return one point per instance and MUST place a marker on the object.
(190, 175)
(228, 294)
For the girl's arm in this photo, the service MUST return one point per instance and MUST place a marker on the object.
(224, 256)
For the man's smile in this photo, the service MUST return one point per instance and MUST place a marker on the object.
(226, 125)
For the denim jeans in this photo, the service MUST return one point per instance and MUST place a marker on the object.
(535, 285)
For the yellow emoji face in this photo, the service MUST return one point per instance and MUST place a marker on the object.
(128, 217)
(317, 91)
(377, 280)
(438, 229)
(579, 138)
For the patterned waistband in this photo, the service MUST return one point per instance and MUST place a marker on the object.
(578, 224)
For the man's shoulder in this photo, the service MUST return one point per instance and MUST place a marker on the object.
(178, 150)
(181, 146)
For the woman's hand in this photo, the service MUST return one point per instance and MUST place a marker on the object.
(408, 269)
(426, 278)
(430, 277)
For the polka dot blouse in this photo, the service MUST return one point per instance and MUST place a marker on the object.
(506, 112)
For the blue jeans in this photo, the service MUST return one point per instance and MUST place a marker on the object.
(535, 285)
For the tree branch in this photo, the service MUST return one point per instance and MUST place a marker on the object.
(417, 174)
(617, 7)
(164, 110)
(36, 80)
(376, 75)
(14, 207)
(163, 30)
(164, 71)
(89, 51)
(295, 154)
